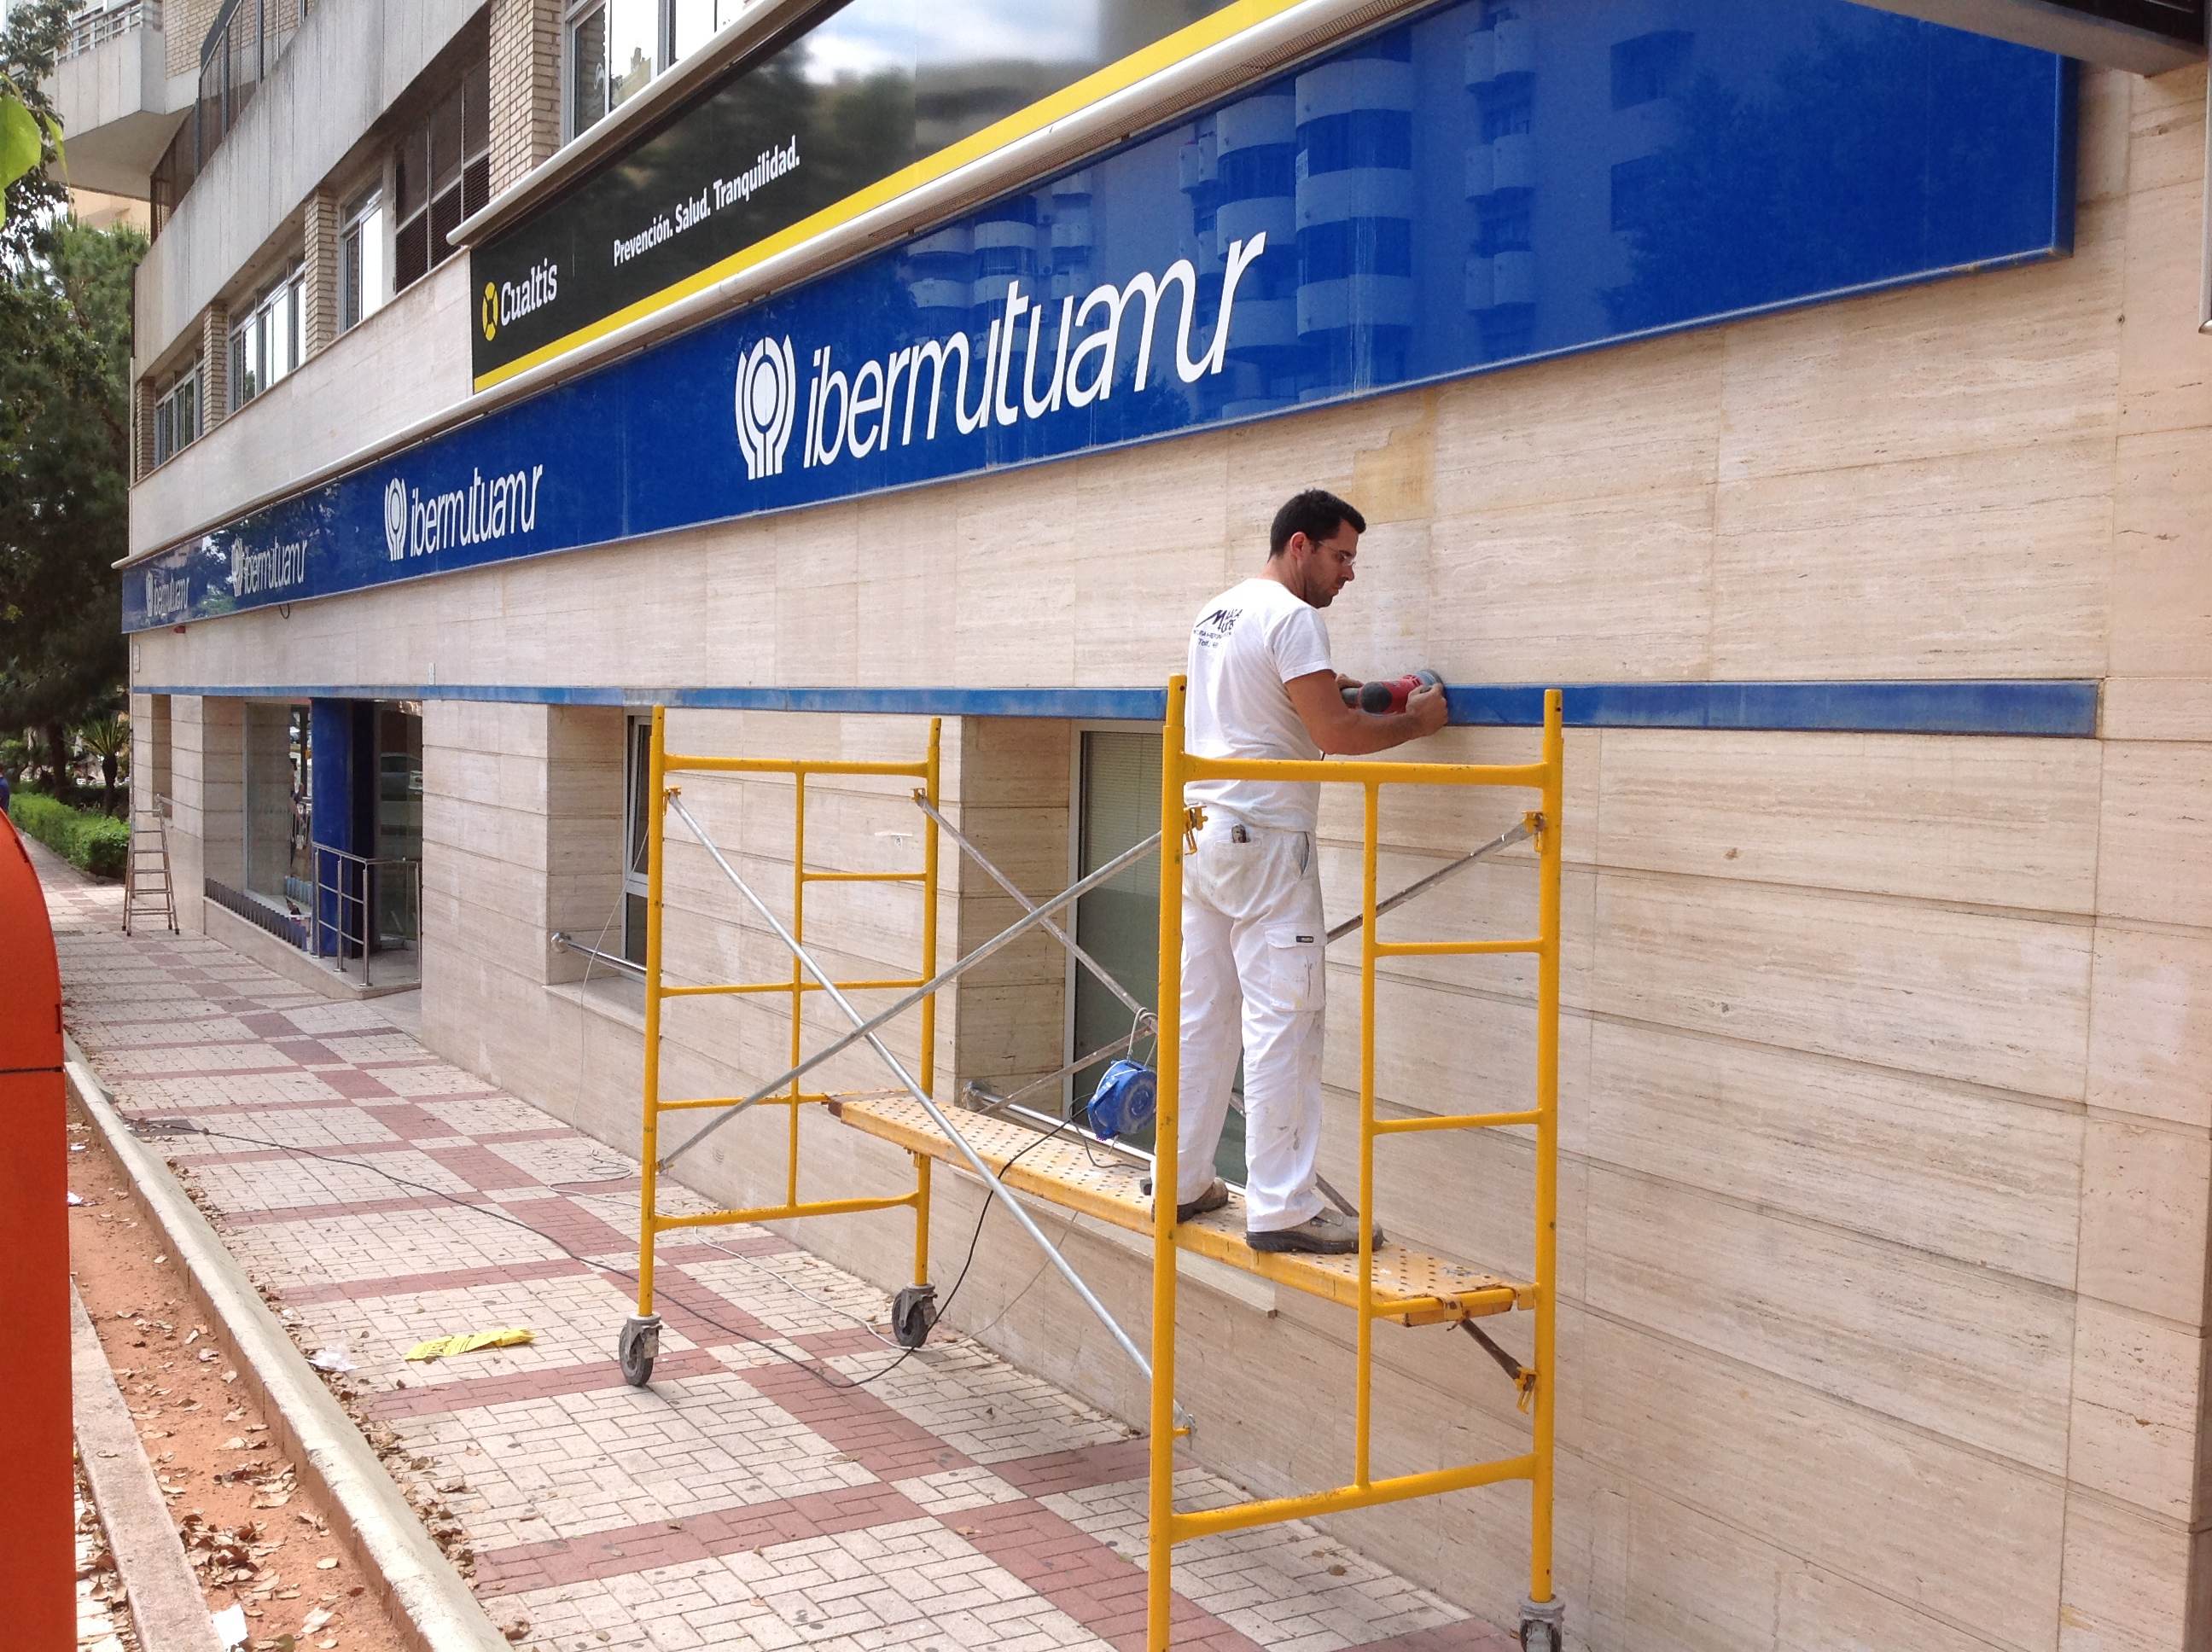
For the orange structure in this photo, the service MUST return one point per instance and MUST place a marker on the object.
(37, 1554)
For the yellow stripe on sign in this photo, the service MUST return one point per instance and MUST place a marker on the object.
(1116, 77)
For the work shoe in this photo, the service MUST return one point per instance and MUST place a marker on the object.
(1326, 1234)
(1215, 1196)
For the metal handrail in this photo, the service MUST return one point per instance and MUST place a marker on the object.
(564, 942)
(356, 893)
(90, 28)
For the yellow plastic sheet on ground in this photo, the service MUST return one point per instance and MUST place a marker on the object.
(469, 1342)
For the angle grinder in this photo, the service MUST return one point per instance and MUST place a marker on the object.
(1391, 695)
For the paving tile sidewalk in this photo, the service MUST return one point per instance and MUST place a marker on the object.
(749, 1498)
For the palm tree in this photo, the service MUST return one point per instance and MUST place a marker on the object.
(107, 738)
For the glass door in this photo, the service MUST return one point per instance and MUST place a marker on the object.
(1117, 805)
(398, 834)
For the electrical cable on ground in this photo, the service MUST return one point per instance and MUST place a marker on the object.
(821, 1375)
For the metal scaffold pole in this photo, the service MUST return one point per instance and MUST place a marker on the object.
(862, 1029)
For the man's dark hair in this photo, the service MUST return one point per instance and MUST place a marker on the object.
(1316, 514)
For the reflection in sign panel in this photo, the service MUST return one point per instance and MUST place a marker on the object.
(874, 86)
(1481, 186)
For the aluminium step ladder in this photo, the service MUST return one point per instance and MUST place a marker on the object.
(148, 890)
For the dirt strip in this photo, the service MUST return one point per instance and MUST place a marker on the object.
(255, 1535)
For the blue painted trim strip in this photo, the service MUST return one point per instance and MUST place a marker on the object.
(2061, 708)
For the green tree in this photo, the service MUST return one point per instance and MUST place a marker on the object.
(65, 475)
(30, 131)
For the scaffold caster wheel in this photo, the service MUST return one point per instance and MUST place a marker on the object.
(637, 1347)
(914, 1311)
(1541, 1623)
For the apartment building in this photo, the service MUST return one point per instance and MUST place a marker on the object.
(1814, 392)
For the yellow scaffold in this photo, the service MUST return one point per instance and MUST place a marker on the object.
(1383, 1282)
(640, 1342)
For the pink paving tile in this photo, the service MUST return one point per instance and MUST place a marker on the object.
(525, 1566)
(352, 1082)
(1469, 1635)
(563, 1221)
(276, 1155)
(482, 1167)
(307, 1051)
(1082, 1576)
(1071, 1471)
(401, 1118)
(358, 1208)
(863, 1427)
(418, 1402)
(733, 1242)
(457, 1278)
(701, 1313)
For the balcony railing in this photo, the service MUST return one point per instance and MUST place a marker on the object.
(90, 28)
(241, 48)
(366, 908)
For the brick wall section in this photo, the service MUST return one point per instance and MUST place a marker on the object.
(525, 86)
(320, 234)
(184, 28)
(142, 428)
(215, 369)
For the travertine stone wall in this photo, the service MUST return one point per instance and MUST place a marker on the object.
(1888, 1188)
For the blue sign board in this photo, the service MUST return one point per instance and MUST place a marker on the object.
(1483, 185)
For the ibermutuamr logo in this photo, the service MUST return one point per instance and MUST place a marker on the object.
(489, 508)
(768, 395)
(1030, 360)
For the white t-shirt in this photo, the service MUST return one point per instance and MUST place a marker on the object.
(1248, 642)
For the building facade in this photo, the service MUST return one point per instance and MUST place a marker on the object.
(1817, 397)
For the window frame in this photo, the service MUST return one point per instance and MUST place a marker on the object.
(188, 378)
(637, 757)
(368, 213)
(473, 82)
(1064, 1101)
(667, 55)
(287, 291)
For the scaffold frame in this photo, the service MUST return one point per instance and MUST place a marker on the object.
(1449, 1293)
(640, 1339)
(1540, 1615)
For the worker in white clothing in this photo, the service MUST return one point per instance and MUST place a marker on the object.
(1262, 686)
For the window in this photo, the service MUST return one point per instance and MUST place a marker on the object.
(1511, 112)
(1117, 805)
(615, 48)
(1635, 192)
(637, 821)
(361, 289)
(279, 806)
(1650, 67)
(265, 343)
(177, 416)
(442, 175)
(1505, 226)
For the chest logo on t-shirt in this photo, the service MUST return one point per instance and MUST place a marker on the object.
(1214, 627)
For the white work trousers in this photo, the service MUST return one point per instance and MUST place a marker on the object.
(1252, 935)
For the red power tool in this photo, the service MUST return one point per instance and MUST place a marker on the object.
(1386, 696)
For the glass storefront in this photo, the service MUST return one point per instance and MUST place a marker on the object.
(279, 796)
